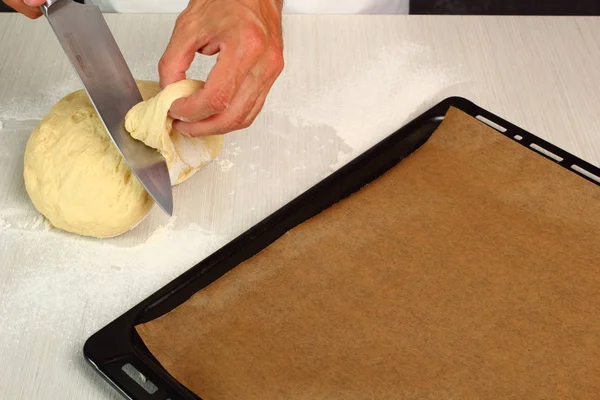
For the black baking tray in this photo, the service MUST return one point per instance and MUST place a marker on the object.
(118, 353)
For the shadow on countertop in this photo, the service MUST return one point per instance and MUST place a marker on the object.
(506, 7)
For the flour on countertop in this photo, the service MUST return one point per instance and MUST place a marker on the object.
(67, 272)
(299, 168)
(363, 113)
(232, 150)
(225, 165)
(162, 230)
(34, 105)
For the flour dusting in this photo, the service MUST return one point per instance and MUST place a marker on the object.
(66, 274)
(34, 105)
(225, 165)
(162, 230)
(362, 112)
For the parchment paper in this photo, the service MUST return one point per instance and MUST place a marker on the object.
(470, 270)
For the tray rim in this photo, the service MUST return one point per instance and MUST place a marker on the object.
(133, 351)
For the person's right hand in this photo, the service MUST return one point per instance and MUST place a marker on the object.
(247, 35)
(30, 8)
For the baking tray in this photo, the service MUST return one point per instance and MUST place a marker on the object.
(118, 353)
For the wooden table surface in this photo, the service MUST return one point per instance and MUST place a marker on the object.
(349, 81)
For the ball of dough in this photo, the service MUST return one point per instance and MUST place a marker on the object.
(78, 180)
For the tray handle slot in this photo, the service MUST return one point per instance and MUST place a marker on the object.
(491, 123)
(546, 152)
(139, 378)
(535, 146)
(585, 172)
(135, 382)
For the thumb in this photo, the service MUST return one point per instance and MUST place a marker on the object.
(34, 3)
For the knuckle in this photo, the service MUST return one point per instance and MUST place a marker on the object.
(246, 123)
(256, 39)
(220, 101)
(276, 61)
(162, 65)
(236, 122)
(181, 18)
(184, 24)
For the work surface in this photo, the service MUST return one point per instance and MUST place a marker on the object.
(349, 81)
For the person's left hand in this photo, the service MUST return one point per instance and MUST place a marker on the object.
(247, 35)
(29, 8)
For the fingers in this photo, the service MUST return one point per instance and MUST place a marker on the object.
(178, 56)
(245, 108)
(235, 118)
(260, 102)
(246, 104)
(221, 87)
(29, 8)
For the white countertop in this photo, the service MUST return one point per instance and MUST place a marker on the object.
(349, 81)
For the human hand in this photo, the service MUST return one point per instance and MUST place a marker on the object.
(30, 8)
(247, 35)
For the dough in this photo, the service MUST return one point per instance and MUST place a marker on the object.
(149, 122)
(76, 177)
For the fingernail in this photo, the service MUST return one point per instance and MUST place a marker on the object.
(178, 118)
(177, 128)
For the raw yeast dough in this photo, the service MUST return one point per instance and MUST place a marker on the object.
(76, 177)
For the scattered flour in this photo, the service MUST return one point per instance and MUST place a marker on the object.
(232, 150)
(1, 125)
(162, 230)
(225, 165)
(59, 276)
(363, 113)
(34, 104)
(37, 222)
(299, 168)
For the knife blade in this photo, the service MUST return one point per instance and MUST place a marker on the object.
(95, 56)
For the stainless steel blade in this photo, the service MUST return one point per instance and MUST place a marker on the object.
(95, 55)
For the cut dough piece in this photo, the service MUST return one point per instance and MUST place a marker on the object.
(76, 177)
(149, 122)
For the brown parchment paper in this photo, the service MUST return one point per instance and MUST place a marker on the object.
(468, 271)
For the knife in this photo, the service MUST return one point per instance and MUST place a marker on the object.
(95, 55)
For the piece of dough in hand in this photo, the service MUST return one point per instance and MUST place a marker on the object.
(78, 180)
(149, 122)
